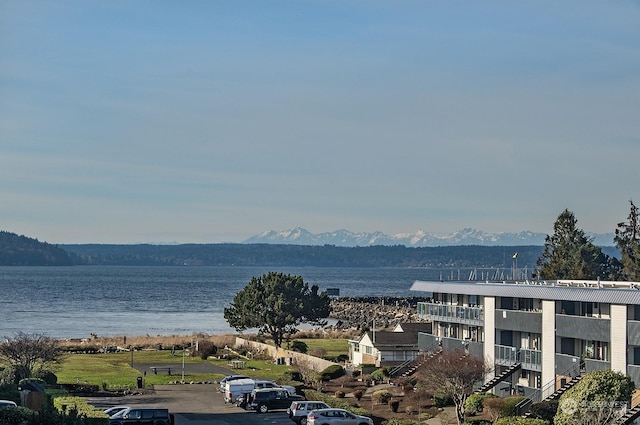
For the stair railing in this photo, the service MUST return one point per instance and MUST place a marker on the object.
(543, 392)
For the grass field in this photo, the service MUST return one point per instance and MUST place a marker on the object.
(114, 370)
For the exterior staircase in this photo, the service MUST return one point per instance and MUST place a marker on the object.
(495, 381)
(632, 414)
(526, 403)
(408, 368)
(629, 417)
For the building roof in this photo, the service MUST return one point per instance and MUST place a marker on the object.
(386, 338)
(623, 293)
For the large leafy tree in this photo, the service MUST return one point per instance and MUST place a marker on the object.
(454, 373)
(597, 399)
(29, 355)
(570, 254)
(276, 304)
(627, 239)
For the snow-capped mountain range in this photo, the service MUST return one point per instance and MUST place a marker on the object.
(420, 238)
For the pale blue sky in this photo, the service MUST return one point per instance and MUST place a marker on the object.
(212, 121)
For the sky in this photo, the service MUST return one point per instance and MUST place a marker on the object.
(213, 121)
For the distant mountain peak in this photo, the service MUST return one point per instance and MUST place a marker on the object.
(419, 238)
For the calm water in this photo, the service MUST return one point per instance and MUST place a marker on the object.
(76, 301)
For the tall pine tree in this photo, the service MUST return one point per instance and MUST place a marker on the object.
(570, 254)
(627, 239)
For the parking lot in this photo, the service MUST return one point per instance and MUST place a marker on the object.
(196, 404)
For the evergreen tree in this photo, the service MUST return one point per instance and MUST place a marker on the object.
(275, 304)
(570, 254)
(627, 239)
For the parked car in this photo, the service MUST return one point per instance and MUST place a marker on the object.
(142, 415)
(268, 399)
(299, 410)
(336, 417)
(115, 409)
(7, 403)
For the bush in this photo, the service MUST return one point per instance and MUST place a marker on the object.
(378, 375)
(440, 399)
(473, 405)
(339, 394)
(509, 408)
(206, 349)
(48, 377)
(318, 352)
(358, 393)
(332, 372)
(299, 346)
(292, 375)
(518, 420)
(394, 405)
(381, 396)
(476, 421)
(544, 410)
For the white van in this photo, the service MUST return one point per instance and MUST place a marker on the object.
(236, 388)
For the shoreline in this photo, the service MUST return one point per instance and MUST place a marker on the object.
(348, 314)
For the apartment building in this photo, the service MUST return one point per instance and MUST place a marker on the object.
(538, 334)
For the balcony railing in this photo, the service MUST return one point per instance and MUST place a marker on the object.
(634, 373)
(505, 355)
(451, 313)
(531, 359)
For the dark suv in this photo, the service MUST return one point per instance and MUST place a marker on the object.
(271, 398)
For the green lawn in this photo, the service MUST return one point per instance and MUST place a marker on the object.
(334, 347)
(114, 370)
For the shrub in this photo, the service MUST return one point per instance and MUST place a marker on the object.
(358, 393)
(493, 406)
(48, 377)
(381, 396)
(440, 399)
(318, 352)
(206, 349)
(476, 421)
(378, 375)
(299, 346)
(339, 394)
(518, 420)
(544, 410)
(473, 405)
(400, 422)
(292, 375)
(332, 372)
(509, 408)
(394, 405)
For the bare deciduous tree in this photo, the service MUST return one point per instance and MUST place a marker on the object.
(454, 373)
(30, 354)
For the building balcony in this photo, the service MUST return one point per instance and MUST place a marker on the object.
(587, 328)
(520, 321)
(530, 359)
(451, 313)
(591, 364)
(505, 355)
(567, 365)
(633, 333)
(634, 373)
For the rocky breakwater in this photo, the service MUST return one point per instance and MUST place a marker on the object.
(360, 312)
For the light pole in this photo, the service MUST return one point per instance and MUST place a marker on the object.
(183, 352)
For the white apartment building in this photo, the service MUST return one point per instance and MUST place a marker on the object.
(546, 332)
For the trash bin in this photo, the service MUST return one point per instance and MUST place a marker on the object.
(139, 381)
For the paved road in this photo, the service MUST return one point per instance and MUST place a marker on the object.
(197, 404)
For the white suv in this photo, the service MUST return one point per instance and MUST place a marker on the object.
(299, 409)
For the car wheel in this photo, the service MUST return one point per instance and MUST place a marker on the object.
(263, 408)
(303, 421)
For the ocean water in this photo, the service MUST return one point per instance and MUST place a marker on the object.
(73, 302)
